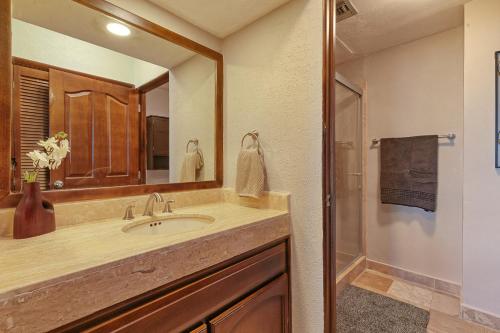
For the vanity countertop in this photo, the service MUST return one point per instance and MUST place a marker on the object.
(99, 265)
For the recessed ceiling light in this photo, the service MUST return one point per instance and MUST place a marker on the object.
(118, 29)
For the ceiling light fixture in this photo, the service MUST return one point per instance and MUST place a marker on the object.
(118, 29)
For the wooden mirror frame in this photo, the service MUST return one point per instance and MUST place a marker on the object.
(10, 199)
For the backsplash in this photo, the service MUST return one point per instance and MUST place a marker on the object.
(78, 212)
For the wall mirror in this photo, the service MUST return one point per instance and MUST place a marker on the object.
(141, 105)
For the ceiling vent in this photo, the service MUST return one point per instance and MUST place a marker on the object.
(345, 9)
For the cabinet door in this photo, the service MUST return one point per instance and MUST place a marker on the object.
(101, 120)
(265, 311)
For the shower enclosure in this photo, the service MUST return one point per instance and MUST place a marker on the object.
(348, 172)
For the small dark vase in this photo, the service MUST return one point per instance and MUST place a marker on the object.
(34, 215)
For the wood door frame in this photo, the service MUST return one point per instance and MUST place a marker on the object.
(154, 83)
(329, 199)
(10, 199)
(143, 139)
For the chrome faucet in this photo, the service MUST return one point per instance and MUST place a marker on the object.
(168, 206)
(129, 212)
(154, 197)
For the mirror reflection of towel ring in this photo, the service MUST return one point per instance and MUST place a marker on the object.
(193, 141)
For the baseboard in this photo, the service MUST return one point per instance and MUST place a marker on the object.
(350, 274)
(427, 281)
(480, 317)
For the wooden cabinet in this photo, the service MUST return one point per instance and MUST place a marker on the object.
(250, 295)
(265, 311)
(158, 142)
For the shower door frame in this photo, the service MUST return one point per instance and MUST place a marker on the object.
(358, 91)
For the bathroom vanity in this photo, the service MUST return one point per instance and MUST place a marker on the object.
(96, 276)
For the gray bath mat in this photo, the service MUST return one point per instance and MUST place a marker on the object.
(362, 311)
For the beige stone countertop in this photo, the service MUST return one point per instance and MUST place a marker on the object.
(28, 264)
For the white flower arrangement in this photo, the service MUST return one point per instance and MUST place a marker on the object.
(55, 150)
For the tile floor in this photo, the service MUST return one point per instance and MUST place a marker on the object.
(444, 309)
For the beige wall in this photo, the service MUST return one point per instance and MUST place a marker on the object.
(481, 250)
(192, 114)
(273, 83)
(416, 89)
(157, 101)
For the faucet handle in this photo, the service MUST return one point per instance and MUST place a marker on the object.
(168, 206)
(129, 212)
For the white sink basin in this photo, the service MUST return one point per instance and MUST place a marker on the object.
(171, 225)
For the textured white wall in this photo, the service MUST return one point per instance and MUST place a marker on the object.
(157, 101)
(416, 89)
(273, 83)
(481, 250)
(39, 44)
(192, 113)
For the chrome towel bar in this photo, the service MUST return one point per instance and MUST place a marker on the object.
(450, 136)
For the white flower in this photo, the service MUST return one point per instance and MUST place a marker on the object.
(56, 148)
(50, 143)
(60, 152)
(39, 158)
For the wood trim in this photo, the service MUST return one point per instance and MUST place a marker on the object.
(145, 88)
(143, 137)
(116, 12)
(219, 123)
(5, 97)
(329, 270)
(58, 196)
(154, 83)
(149, 296)
(8, 199)
(45, 67)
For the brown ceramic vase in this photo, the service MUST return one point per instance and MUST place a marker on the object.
(34, 215)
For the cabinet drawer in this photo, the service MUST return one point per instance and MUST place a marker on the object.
(183, 308)
(264, 311)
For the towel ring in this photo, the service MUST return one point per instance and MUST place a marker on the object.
(255, 136)
(193, 141)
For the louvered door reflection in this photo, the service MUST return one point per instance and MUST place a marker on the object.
(31, 120)
(102, 124)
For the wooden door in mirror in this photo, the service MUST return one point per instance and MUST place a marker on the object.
(101, 119)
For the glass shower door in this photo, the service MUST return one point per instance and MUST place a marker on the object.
(348, 175)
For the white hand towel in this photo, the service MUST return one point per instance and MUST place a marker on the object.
(250, 173)
(192, 163)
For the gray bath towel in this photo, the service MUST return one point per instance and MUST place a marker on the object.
(408, 171)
